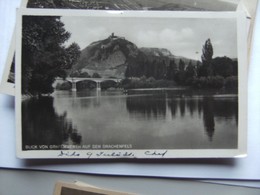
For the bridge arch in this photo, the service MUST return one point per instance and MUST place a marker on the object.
(98, 81)
(86, 84)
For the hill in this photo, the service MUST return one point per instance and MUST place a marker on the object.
(108, 57)
(117, 57)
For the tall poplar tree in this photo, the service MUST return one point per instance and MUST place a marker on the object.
(206, 57)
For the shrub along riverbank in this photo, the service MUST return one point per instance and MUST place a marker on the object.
(211, 82)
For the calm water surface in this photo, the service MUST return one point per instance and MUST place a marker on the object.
(142, 119)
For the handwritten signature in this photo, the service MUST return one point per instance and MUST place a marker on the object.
(156, 153)
(68, 154)
(110, 154)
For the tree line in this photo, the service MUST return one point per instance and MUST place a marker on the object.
(208, 73)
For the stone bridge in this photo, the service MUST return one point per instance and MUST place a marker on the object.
(75, 80)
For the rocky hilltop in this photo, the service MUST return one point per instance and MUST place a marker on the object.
(115, 55)
(108, 57)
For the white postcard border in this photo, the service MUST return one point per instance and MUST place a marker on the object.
(148, 154)
(6, 86)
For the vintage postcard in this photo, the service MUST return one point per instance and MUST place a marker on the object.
(8, 78)
(131, 84)
(64, 188)
(7, 86)
(152, 5)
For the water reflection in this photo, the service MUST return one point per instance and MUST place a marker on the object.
(211, 108)
(173, 105)
(43, 126)
(165, 119)
(208, 116)
(182, 106)
(192, 106)
(149, 107)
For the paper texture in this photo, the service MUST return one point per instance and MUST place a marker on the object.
(7, 85)
(118, 135)
(218, 169)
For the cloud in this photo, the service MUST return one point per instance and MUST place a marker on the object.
(218, 43)
(166, 37)
(187, 33)
(97, 33)
(146, 38)
(89, 35)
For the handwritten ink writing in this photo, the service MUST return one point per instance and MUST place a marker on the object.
(89, 154)
(68, 154)
(112, 154)
(115, 154)
(155, 153)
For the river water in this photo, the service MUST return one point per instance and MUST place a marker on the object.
(141, 119)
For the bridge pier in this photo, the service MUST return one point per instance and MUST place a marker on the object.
(98, 86)
(74, 86)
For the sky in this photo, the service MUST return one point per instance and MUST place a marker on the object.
(231, 1)
(183, 37)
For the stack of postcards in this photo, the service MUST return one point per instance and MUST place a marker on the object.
(147, 79)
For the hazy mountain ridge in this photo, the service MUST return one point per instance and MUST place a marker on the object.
(159, 52)
(111, 57)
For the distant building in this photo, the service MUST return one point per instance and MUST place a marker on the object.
(113, 36)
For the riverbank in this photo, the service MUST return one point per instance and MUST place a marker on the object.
(144, 83)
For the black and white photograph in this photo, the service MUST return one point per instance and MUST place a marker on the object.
(152, 5)
(8, 83)
(130, 85)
